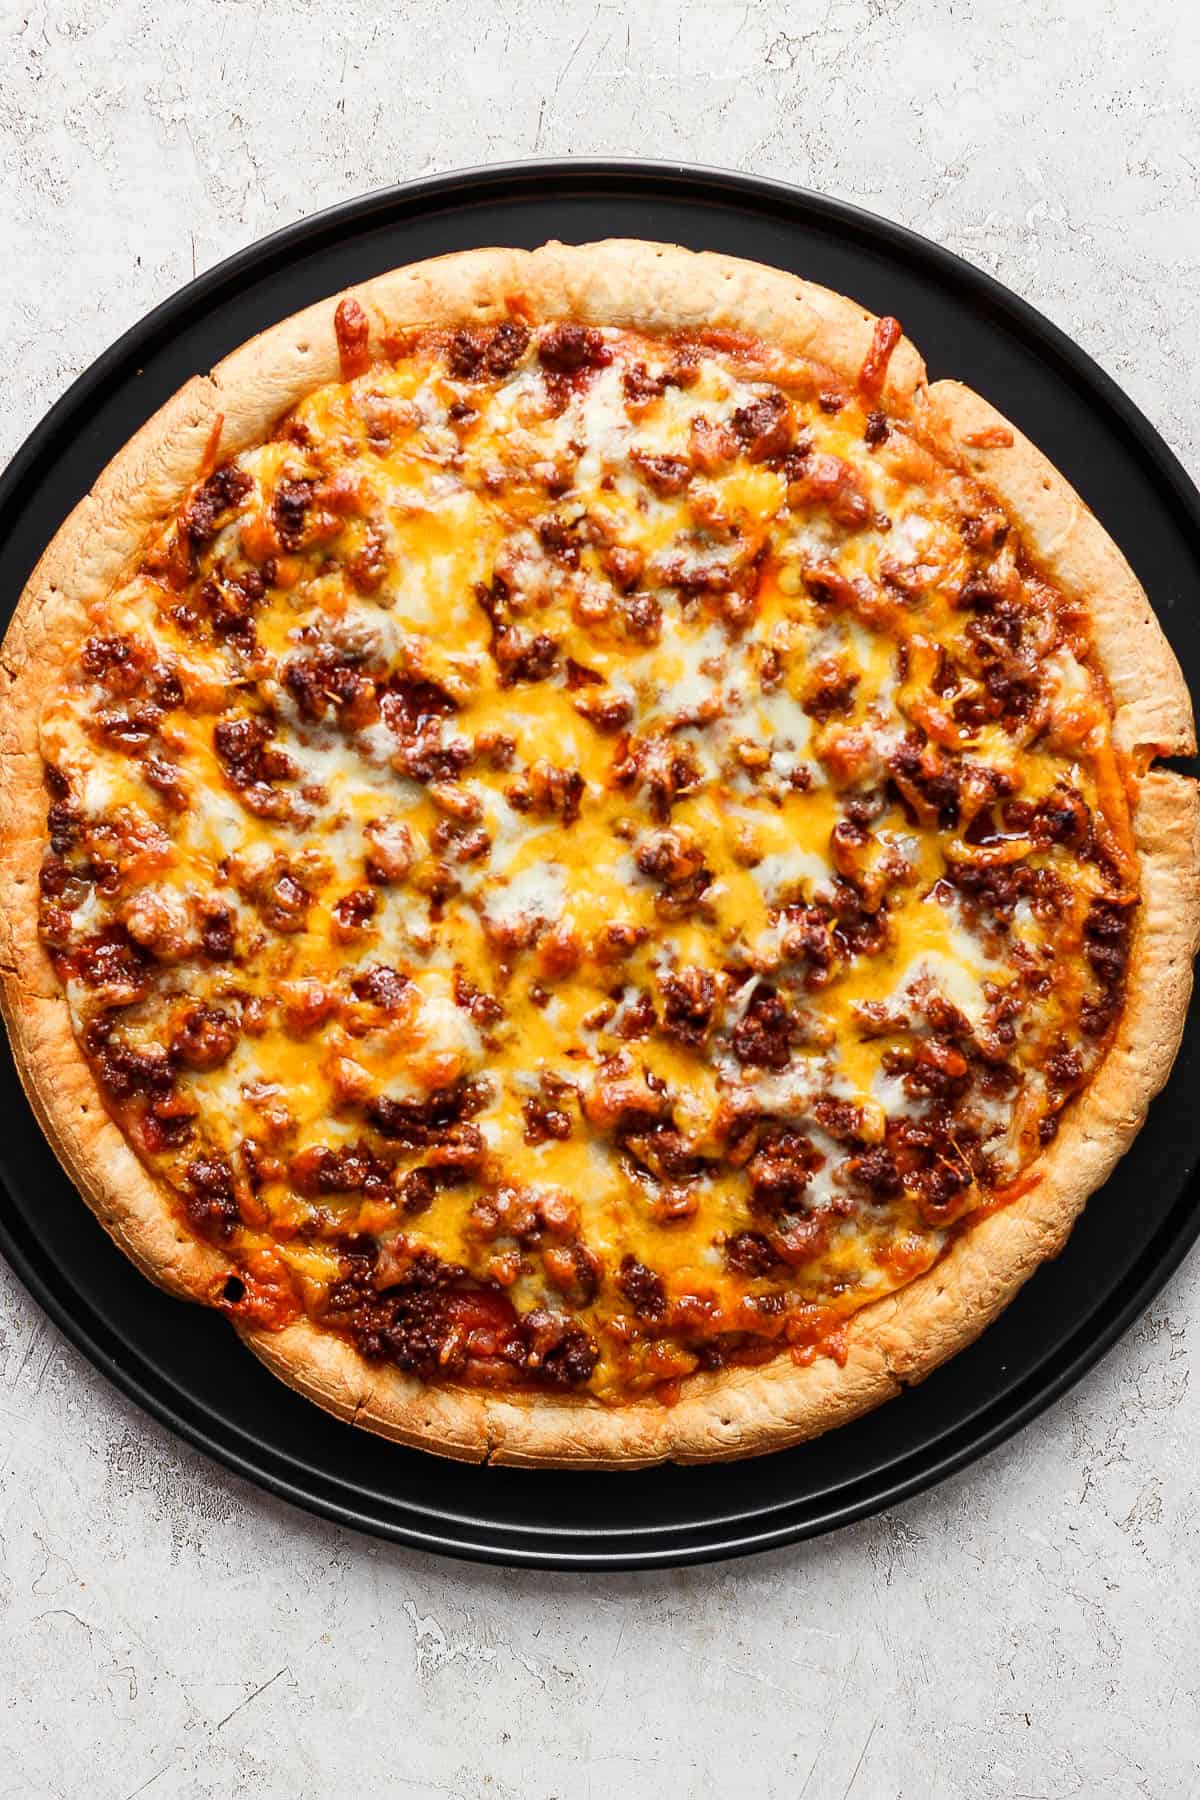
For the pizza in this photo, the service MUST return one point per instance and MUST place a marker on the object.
(586, 856)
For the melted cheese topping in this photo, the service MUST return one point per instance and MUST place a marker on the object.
(584, 857)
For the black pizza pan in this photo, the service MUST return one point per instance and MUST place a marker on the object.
(184, 1364)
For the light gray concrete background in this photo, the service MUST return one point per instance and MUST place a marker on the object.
(1027, 1630)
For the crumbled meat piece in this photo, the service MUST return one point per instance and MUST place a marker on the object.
(1106, 932)
(567, 348)
(676, 862)
(561, 538)
(389, 851)
(998, 889)
(638, 1019)
(665, 474)
(617, 941)
(875, 1169)
(112, 660)
(574, 1270)
(932, 1066)
(548, 790)
(417, 1123)
(711, 444)
(532, 1216)
(1064, 1068)
(457, 1154)
(166, 779)
(762, 1036)
(477, 352)
(660, 1150)
(64, 825)
(521, 657)
(115, 964)
(609, 713)
(282, 899)
(830, 689)
(580, 676)
(247, 754)
(352, 914)
(350, 1169)
(289, 511)
(209, 1198)
(217, 933)
(484, 1008)
(225, 488)
(130, 728)
(559, 1352)
(689, 1000)
(640, 617)
(125, 1069)
(623, 565)
(420, 1316)
(544, 1120)
(764, 427)
(928, 782)
(382, 986)
(640, 386)
(331, 680)
(643, 1289)
(780, 1170)
(749, 1253)
(230, 603)
(841, 1120)
(459, 840)
(409, 708)
(497, 748)
(369, 564)
(825, 480)
(205, 1038)
(416, 1192)
(620, 1098)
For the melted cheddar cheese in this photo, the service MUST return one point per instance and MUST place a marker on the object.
(585, 857)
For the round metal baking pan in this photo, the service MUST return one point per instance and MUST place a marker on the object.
(183, 1364)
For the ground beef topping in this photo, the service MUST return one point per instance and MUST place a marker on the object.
(593, 863)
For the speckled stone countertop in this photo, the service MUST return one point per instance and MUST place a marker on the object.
(1029, 1628)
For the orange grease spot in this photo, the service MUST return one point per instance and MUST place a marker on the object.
(269, 1300)
(208, 461)
(1013, 1190)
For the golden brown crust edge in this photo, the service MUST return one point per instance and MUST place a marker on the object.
(1153, 710)
(620, 281)
(89, 553)
(897, 1340)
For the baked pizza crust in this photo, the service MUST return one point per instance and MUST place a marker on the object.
(890, 1343)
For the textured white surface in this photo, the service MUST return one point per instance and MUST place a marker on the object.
(1029, 1628)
